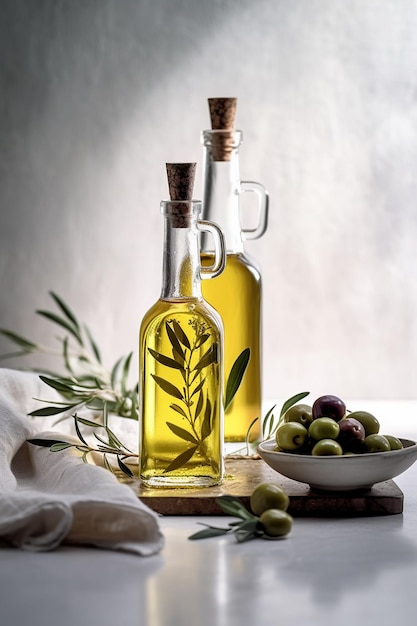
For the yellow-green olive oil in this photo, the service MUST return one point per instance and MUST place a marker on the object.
(236, 295)
(181, 376)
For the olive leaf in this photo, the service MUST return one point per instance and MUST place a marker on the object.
(125, 469)
(199, 387)
(51, 410)
(180, 334)
(44, 443)
(77, 430)
(182, 433)
(165, 360)
(57, 384)
(245, 530)
(181, 459)
(93, 344)
(268, 424)
(202, 339)
(176, 346)
(66, 354)
(125, 373)
(115, 371)
(65, 309)
(178, 409)
(87, 422)
(208, 358)
(28, 346)
(210, 531)
(58, 447)
(207, 426)
(168, 387)
(293, 400)
(247, 438)
(235, 377)
(199, 405)
(114, 441)
(73, 330)
(234, 506)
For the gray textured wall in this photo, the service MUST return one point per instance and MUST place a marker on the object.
(95, 97)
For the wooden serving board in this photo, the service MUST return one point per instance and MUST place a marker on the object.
(244, 474)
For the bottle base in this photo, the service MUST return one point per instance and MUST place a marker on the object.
(158, 482)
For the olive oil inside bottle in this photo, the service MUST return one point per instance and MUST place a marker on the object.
(236, 295)
(181, 444)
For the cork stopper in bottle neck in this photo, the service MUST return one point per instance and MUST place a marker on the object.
(180, 183)
(222, 116)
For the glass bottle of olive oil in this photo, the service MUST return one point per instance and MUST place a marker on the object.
(237, 293)
(181, 357)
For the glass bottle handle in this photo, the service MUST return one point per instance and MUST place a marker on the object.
(263, 205)
(219, 250)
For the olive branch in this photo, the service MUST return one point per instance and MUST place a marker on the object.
(195, 408)
(109, 445)
(86, 382)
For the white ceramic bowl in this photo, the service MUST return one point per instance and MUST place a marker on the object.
(340, 473)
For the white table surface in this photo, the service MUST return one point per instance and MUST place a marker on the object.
(327, 571)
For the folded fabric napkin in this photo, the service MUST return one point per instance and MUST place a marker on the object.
(49, 498)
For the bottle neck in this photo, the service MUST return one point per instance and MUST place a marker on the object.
(181, 258)
(221, 193)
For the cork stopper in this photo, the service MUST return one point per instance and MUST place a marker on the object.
(222, 113)
(181, 184)
(181, 180)
(222, 116)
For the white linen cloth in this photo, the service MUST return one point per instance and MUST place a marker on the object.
(49, 498)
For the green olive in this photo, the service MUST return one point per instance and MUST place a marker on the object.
(268, 496)
(276, 523)
(327, 447)
(376, 443)
(324, 428)
(299, 413)
(368, 421)
(394, 442)
(291, 436)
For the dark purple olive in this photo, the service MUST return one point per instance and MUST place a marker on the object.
(351, 434)
(329, 406)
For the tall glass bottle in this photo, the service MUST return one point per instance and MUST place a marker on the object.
(181, 362)
(237, 293)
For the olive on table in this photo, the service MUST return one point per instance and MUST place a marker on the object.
(276, 523)
(268, 496)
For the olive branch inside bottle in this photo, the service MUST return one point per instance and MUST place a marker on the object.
(181, 353)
